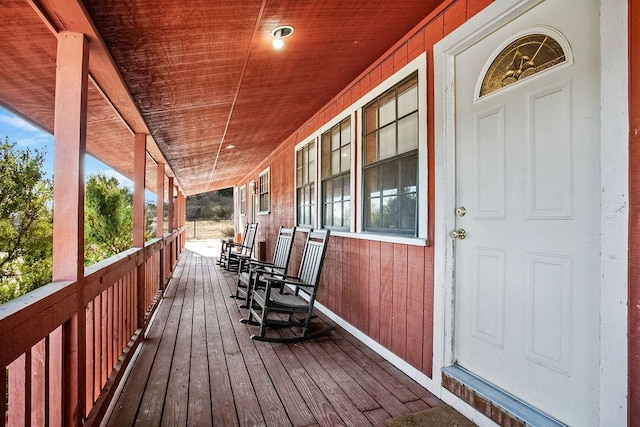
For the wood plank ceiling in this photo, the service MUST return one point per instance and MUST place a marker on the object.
(197, 75)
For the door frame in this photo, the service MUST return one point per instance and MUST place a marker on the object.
(614, 193)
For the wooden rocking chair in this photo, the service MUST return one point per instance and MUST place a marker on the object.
(227, 243)
(298, 309)
(231, 258)
(250, 269)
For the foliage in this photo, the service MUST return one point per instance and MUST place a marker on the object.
(216, 205)
(108, 216)
(26, 226)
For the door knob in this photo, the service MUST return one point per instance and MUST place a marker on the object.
(459, 234)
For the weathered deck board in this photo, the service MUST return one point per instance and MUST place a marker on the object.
(198, 366)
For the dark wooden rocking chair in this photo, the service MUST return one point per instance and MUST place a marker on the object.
(250, 269)
(298, 310)
(231, 259)
(227, 243)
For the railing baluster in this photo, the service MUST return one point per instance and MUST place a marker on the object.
(17, 400)
(38, 354)
(98, 317)
(89, 359)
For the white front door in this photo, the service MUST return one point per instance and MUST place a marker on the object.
(527, 174)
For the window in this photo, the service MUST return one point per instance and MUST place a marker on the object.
(390, 160)
(263, 190)
(243, 200)
(336, 177)
(305, 184)
(521, 59)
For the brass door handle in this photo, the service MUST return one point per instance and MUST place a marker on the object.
(459, 234)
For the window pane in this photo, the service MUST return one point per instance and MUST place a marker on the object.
(328, 190)
(312, 172)
(346, 187)
(408, 133)
(408, 212)
(299, 158)
(408, 97)
(388, 142)
(312, 193)
(335, 162)
(335, 138)
(346, 219)
(389, 178)
(345, 158)
(312, 151)
(370, 117)
(345, 132)
(372, 213)
(337, 190)
(337, 214)
(389, 212)
(307, 196)
(328, 215)
(325, 146)
(370, 148)
(371, 188)
(387, 107)
(408, 174)
(299, 178)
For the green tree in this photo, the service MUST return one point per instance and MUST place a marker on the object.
(26, 226)
(108, 218)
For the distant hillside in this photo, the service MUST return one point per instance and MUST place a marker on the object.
(216, 205)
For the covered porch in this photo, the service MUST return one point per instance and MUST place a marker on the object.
(198, 366)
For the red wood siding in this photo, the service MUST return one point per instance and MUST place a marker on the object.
(634, 214)
(383, 289)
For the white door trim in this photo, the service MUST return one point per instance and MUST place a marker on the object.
(614, 211)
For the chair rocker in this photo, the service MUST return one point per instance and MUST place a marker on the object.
(250, 269)
(230, 242)
(297, 310)
(235, 252)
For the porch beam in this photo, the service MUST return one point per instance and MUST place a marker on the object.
(70, 131)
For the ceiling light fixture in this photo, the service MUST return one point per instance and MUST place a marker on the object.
(279, 34)
(230, 146)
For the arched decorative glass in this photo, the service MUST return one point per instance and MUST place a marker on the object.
(522, 58)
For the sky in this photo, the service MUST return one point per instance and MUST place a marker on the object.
(25, 135)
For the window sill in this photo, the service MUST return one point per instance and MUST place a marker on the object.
(264, 212)
(413, 241)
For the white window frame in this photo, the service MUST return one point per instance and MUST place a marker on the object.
(243, 206)
(419, 64)
(315, 139)
(266, 172)
(319, 209)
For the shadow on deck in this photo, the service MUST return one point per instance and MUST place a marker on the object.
(198, 366)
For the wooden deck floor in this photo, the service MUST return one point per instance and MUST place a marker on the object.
(198, 366)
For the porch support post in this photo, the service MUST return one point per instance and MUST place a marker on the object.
(139, 175)
(160, 218)
(160, 201)
(70, 130)
(172, 225)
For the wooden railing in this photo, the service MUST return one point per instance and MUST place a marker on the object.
(114, 303)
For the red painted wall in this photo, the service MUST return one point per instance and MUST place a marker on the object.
(634, 213)
(383, 289)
